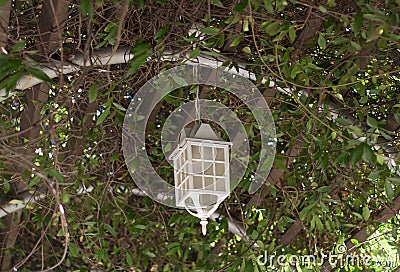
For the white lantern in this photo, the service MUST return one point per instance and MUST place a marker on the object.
(201, 172)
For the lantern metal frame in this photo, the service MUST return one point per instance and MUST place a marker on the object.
(201, 172)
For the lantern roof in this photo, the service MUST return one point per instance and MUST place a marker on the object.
(203, 131)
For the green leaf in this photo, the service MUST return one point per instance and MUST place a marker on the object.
(323, 189)
(358, 22)
(372, 122)
(357, 46)
(92, 93)
(195, 53)
(56, 174)
(356, 154)
(217, 3)
(236, 41)
(323, 9)
(60, 232)
(8, 66)
(268, 6)
(342, 121)
(340, 40)
(141, 227)
(179, 80)
(272, 29)
(86, 7)
(141, 51)
(368, 155)
(394, 180)
(210, 30)
(314, 67)
(380, 159)
(366, 213)
(73, 250)
(19, 46)
(118, 106)
(161, 33)
(103, 116)
(66, 198)
(397, 117)
(16, 201)
(128, 259)
(167, 147)
(38, 73)
(318, 222)
(110, 230)
(246, 50)
(211, 54)
(292, 34)
(10, 82)
(321, 42)
(389, 190)
(240, 7)
(356, 130)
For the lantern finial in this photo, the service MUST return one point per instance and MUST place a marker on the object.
(204, 223)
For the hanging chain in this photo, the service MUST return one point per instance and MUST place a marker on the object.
(197, 101)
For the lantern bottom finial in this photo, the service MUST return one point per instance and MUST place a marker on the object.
(204, 223)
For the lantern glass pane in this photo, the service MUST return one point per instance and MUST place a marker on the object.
(197, 167)
(196, 152)
(208, 153)
(220, 154)
(197, 182)
(220, 184)
(208, 165)
(209, 171)
(208, 183)
(207, 199)
(220, 169)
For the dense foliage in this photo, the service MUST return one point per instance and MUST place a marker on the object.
(328, 69)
